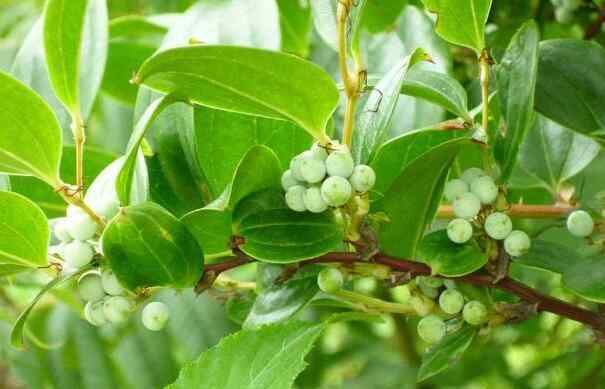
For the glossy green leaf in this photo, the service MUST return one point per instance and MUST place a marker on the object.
(295, 25)
(284, 236)
(412, 200)
(265, 200)
(147, 246)
(268, 358)
(449, 259)
(461, 22)
(10, 270)
(585, 278)
(380, 16)
(30, 136)
(292, 89)
(547, 255)
(446, 353)
(211, 229)
(517, 74)
(571, 85)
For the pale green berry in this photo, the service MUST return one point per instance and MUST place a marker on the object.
(431, 329)
(474, 313)
(459, 231)
(111, 285)
(340, 163)
(365, 285)
(330, 280)
(429, 292)
(313, 200)
(295, 167)
(90, 286)
(72, 210)
(385, 329)
(336, 191)
(77, 254)
(107, 207)
(318, 151)
(580, 223)
(363, 178)
(451, 301)
(498, 226)
(485, 189)
(294, 198)
(61, 231)
(155, 316)
(313, 170)
(288, 180)
(401, 294)
(117, 309)
(455, 188)
(422, 305)
(94, 313)
(517, 243)
(471, 174)
(564, 15)
(466, 206)
(429, 282)
(81, 227)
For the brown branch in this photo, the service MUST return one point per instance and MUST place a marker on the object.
(521, 211)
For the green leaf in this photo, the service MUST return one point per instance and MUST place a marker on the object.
(290, 88)
(413, 198)
(547, 255)
(125, 178)
(284, 236)
(449, 259)
(268, 358)
(380, 16)
(585, 278)
(211, 229)
(447, 352)
(24, 233)
(571, 85)
(461, 22)
(30, 136)
(438, 88)
(295, 25)
(517, 74)
(147, 246)
(375, 120)
(10, 270)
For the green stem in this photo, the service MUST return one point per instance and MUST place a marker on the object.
(374, 304)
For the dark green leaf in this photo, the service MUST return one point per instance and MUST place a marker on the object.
(382, 15)
(450, 259)
(585, 278)
(211, 228)
(295, 25)
(548, 255)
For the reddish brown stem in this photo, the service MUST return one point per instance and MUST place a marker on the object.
(521, 211)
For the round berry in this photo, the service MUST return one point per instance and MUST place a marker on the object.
(498, 225)
(422, 305)
(580, 224)
(459, 231)
(155, 316)
(336, 191)
(81, 227)
(90, 286)
(340, 163)
(431, 329)
(455, 188)
(294, 198)
(61, 231)
(107, 207)
(72, 210)
(313, 200)
(330, 280)
(117, 309)
(110, 282)
(288, 180)
(474, 313)
(313, 170)
(401, 294)
(295, 167)
(517, 243)
(318, 151)
(451, 301)
(466, 206)
(365, 285)
(363, 178)
(471, 174)
(485, 189)
(94, 313)
(564, 15)
(77, 254)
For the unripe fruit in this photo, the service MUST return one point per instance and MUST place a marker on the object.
(77, 254)
(81, 227)
(422, 305)
(474, 313)
(313, 170)
(94, 314)
(294, 198)
(429, 292)
(363, 178)
(401, 294)
(466, 206)
(429, 282)
(336, 191)
(471, 174)
(330, 280)
(288, 180)
(517, 243)
(459, 231)
(455, 188)
(155, 316)
(117, 309)
(61, 231)
(485, 189)
(498, 225)
(295, 168)
(451, 301)
(580, 224)
(340, 163)
(110, 282)
(318, 151)
(313, 201)
(564, 15)
(431, 329)
(90, 286)
(365, 285)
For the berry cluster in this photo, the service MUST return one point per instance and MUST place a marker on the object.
(324, 176)
(472, 197)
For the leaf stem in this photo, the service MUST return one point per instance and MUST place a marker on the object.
(374, 304)
(79, 134)
(77, 200)
(484, 64)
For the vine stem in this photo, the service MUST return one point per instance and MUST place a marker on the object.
(484, 64)
(520, 211)
(412, 269)
(76, 200)
(77, 129)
